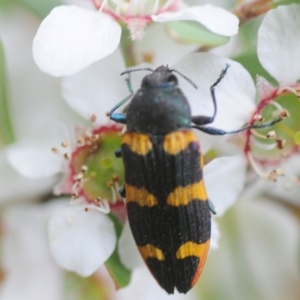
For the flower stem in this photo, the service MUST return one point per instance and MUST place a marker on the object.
(127, 48)
(247, 10)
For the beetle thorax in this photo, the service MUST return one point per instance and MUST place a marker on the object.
(158, 110)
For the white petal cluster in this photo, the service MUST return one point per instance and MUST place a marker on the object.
(70, 38)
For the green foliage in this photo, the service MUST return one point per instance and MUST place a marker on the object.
(117, 270)
(41, 8)
(251, 62)
(285, 2)
(6, 129)
(189, 32)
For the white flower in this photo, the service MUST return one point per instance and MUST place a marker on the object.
(70, 38)
(33, 159)
(34, 102)
(278, 50)
(268, 150)
(28, 271)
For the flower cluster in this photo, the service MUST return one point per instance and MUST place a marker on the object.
(60, 178)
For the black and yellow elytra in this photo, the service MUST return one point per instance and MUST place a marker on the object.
(167, 205)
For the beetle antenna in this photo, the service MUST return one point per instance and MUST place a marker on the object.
(186, 78)
(135, 70)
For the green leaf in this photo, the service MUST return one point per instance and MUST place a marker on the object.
(41, 8)
(117, 270)
(190, 32)
(6, 128)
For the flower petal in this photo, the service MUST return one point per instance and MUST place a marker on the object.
(71, 38)
(27, 189)
(169, 52)
(216, 19)
(278, 48)
(128, 250)
(98, 88)
(215, 235)
(29, 270)
(37, 99)
(33, 157)
(224, 180)
(32, 160)
(144, 286)
(285, 189)
(80, 240)
(235, 93)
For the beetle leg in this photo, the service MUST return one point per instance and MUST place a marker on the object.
(117, 117)
(211, 207)
(118, 153)
(122, 192)
(203, 120)
(217, 131)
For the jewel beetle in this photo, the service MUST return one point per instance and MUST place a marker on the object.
(168, 209)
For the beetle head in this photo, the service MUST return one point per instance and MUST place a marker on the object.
(161, 77)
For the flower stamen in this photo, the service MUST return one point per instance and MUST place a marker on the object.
(289, 88)
(102, 6)
(272, 176)
(84, 169)
(276, 104)
(75, 195)
(101, 206)
(94, 138)
(67, 156)
(93, 118)
(80, 142)
(54, 150)
(78, 177)
(262, 146)
(258, 117)
(280, 143)
(270, 135)
(65, 144)
(284, 114)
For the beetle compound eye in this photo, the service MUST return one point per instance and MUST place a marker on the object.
(172, 80)
(145, 83)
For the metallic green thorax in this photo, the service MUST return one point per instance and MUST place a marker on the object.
(159, 106)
